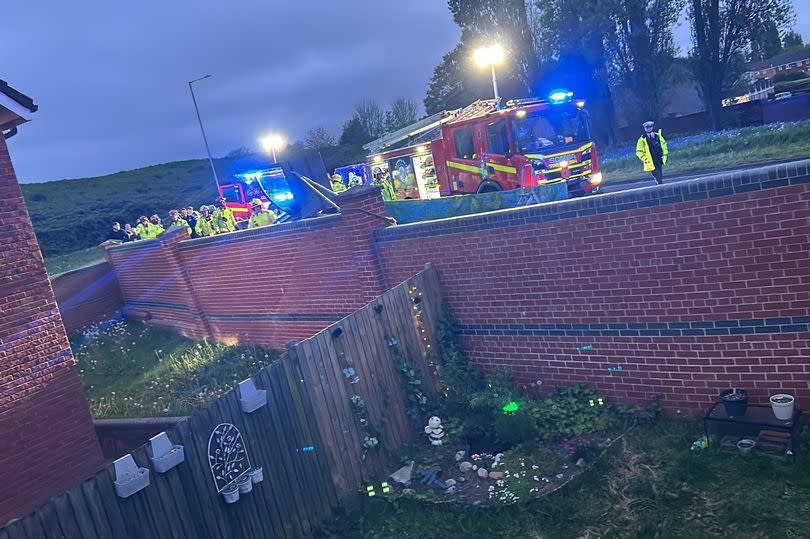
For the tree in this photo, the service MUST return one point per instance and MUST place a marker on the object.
(403, 112)
(354, 134)
(371, 117)
(766, 42)
(318, 139)
(793, 40)
(643, 52)
(501, 21)
(454, 83)
(722, 33)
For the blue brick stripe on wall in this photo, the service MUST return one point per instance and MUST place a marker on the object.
(721, 185)
(796, 324)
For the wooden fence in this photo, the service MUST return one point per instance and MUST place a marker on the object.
(308, 438)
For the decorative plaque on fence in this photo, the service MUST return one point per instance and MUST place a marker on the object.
(227, 455)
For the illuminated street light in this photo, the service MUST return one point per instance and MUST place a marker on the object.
(491, 56)
(272, 144)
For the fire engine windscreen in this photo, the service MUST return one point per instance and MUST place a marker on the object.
(548, 129)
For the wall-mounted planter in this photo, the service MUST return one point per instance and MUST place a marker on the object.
(256, 475)
(250, 398)
(245, 484)
(231, 493)
(129, 478)
(165, 455)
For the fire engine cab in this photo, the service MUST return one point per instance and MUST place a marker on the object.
(483, 148)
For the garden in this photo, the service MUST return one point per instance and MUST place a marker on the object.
(497, 460)
(129, 369)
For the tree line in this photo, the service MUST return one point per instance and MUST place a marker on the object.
(611, 50)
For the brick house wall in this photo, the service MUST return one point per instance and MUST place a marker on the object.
(47, 438)
(86, 296)
(691, 288)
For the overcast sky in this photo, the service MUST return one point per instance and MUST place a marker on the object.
(110, 77)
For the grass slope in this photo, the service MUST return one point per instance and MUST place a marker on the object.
(648, 485)
(133, 370)
(717, 149)
(59, 264)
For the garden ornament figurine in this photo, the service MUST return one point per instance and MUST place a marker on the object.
(435, 431)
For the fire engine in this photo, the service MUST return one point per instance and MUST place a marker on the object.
(484, 148)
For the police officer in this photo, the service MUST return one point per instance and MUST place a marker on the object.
(652, 150)
(337, 183)
(260, 216)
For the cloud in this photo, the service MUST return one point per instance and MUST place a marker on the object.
(111, 77)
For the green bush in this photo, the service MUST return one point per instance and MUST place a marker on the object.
(515, 428)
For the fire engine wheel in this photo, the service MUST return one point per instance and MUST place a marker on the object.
(489, 187)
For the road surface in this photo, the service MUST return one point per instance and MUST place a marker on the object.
(647, 181)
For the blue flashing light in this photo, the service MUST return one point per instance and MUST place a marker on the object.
(560, 95)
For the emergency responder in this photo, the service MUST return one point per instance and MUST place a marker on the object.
(223, 217)
(157, 224)
(381, 179)
(337, 183)
(205, 223)
(191, 218)
(652, 150)
(178, 222)
(260, 216)
(145, 229)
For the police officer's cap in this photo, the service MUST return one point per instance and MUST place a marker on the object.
(648, 124)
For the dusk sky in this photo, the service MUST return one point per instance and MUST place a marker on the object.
(110, 77)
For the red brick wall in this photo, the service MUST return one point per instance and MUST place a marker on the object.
(47, 440)
(689, 290)
(267, 285)
(87, 296)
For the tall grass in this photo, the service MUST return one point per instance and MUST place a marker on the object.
(133, 370)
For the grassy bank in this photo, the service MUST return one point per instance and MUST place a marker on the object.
(58, 264)
(717, 149)
(648, 485)
(132, 370)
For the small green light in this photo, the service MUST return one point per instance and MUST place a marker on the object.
(511, 407)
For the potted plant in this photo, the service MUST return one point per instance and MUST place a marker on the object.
(231, 493)
(256, 475)
(782, 405)
(735, 401)
(245, 484)
(745, 445)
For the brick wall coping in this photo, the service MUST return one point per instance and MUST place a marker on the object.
(304, 225)
(718, 185)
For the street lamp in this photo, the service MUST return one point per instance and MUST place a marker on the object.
(205, 139)
(491, 56)
(272, 143)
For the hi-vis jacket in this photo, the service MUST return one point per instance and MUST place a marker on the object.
(643, 151)
(224, 220)
(261, 218)
(150, 230)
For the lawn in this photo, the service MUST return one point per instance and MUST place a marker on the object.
(58, 264)
(649, 484)
(727, 148)
(132, 370)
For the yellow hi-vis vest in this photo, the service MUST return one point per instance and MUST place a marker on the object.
(224, 221)
(150, 230)
(205, 227)
(643, 151)
(180, 223)
(337, 186)
(262, 218)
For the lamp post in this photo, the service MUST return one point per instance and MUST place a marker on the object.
(202, 129)
(491, 56)
(272, 144)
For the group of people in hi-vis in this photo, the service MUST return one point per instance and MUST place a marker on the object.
(208, 221)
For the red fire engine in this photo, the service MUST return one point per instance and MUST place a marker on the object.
(483, 148)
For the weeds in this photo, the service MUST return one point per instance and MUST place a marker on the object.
(132, 370)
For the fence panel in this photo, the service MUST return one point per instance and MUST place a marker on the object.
(308, 438)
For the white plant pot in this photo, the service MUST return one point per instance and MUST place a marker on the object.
(231, 495)
(782, 410)
(245, 484)
(250, 398)
(256, 475)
